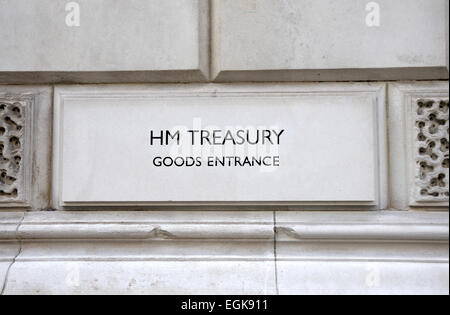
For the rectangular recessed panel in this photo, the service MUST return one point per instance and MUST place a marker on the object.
(213, 146)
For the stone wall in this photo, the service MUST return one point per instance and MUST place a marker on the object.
(364, 85)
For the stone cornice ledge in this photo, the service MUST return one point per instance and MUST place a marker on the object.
(207, 225)
(130, 225)
(204, 252)
(395, 226)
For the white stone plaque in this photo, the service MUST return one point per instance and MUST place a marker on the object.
(212, 145)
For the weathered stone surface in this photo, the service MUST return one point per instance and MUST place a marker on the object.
(362, 278)
(120, 41)
(119, 253)
(12, 154)
(219, 252)
(431, 149)
(132, 277)
(336, 147)
(419, 153)
(316, 40)
(317, 253)
(25, 141)
(9, 244)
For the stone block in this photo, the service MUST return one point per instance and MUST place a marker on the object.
(326, 40)
(362, 253)
(120, 41)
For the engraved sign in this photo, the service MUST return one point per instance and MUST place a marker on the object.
(291, 145)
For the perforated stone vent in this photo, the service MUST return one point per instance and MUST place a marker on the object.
(432, 150)
(12, 121)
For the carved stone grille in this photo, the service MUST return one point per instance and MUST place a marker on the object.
(432, 150)
(12, 121)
